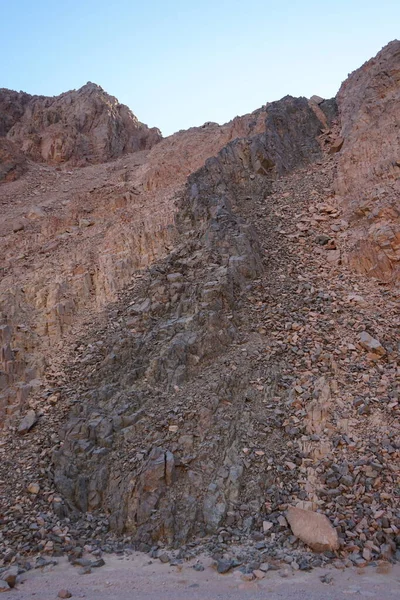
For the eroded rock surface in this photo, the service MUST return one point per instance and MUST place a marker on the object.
(188, 316)
(368, 177)
(81, 126)
(195, 354)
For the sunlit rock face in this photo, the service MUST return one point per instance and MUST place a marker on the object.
(368, 175)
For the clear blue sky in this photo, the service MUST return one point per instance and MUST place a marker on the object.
(178, 63)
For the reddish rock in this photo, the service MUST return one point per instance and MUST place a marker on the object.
(64, 594)
(314, 529)
(368, 176)
(336, 145)
(81, 126)
(13, 162)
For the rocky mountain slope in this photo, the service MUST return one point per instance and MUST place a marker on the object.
(202, 334)
(79, 127)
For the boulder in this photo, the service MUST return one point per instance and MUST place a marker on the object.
(27, 422)
(314, 529)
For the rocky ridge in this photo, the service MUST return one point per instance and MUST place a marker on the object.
(249, 370)
(79, 127)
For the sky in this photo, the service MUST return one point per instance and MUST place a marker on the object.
(178, 64)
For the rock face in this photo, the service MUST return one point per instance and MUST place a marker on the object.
(126, 210)
(313, 529)
(368, 178)
(81, 126)
(13, 162)
(184, 320)
(183, 345)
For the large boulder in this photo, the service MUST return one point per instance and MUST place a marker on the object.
(314, 529)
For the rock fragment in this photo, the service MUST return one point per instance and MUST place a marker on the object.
(336, 145)
(10, 576)
(371, 344)
(4, 587)
(27, 422)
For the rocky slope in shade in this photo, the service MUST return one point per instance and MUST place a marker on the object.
(13, 162)
(186, 317)
(93, 228)
(79, 127)
(368, 176)
(71, 240)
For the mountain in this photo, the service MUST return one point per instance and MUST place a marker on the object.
(80, 127)
(200, 332)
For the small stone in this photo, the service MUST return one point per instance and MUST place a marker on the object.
(259, 574)
(316, 99)
(264, 567)
(96, 564)
(4, 587)
(322, 239)
(173, 428)
(336, 145)
(164, 557)
(81, 562)
(86, 222)
(304, 565)
(371, 344)
(223, 566)
(64, 594)
(85, 571)
(327, 578)
(10, 576)
(267, 525)
(367, 554)
(247, 577)
(198, 567)
(33, 488)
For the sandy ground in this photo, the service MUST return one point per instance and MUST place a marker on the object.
(138, 578)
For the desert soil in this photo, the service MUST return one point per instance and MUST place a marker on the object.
(137, 577)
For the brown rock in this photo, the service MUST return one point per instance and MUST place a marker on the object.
(247, 577)
(259, 574)
(10, 576)
(81, 126)
(336, 145)
(314, 529)
(316, 99)
(13, 162)
(33, 488)
(64, 594)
